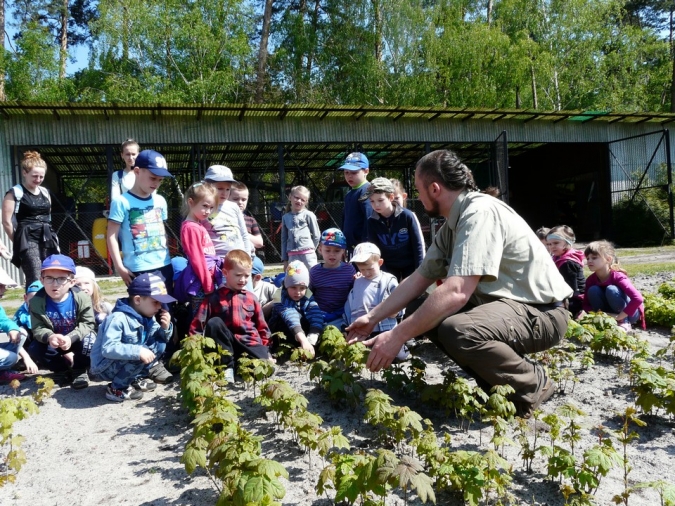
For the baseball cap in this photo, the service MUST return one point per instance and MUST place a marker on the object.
(34, 287)
(364, 251)
(150, 284)
(219, 174)
(60, 262)
(355, 161)
(5, 278)
(334, 237)
(84, 272)
(153, 161)
(378, 185)
(296, 274)
(258, 266)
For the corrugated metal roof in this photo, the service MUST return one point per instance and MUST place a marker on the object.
(280, 111)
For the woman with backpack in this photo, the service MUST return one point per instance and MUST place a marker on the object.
(26, 218)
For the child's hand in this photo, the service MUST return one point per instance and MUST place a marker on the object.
(31, 367)
(55, 340)
(146, 355)
(581, 314)
(14, 336)
(126, 275)
(304, 343)
(65, 343)
(164, 319)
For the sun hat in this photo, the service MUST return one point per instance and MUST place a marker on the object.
(153, 161)
(59, 262)
(5, 278)
(296, 274)
(378, 185)
(150, 284)
(219, 174)
(355, 161)
(364, 251)
(334, 237)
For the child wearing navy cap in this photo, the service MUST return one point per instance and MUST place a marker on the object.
(130, 342)
(63, 321)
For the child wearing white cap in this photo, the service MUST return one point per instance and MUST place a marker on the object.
(85, 279)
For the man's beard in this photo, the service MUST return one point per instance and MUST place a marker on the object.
(434, 212)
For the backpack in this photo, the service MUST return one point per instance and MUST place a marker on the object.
(18, 195)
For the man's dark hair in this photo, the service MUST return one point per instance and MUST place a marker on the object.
(445, 168)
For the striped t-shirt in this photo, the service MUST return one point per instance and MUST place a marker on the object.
(331, 287)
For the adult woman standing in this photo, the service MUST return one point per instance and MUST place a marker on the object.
(26, 218)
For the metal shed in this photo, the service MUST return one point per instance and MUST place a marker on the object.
(552, 167)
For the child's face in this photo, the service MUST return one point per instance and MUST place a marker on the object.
(239, 197)
(355, 177)
(146, 182)
(255, 279)
(57, 283)
(296, 292)
(298, 201)
(86, 285)
(382, 203)
(28, 296)
(596, 262)
(237, 277)
(223, 190)
(400, 198)
(201, 209)
(557, 246)
(146, 305)
(370, 270)
(332, 255)
(129, 154)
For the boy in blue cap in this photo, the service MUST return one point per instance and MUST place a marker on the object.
(356, 211)
(130, 342)
(63, 321)
(22, 315)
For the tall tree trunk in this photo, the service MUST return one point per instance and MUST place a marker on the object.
(535, 102)
(490, 6)
(672, 57)
(517, 97)
(262, 52)
(310, 55)
(3, 97)
(63, 50)
(556, 85)
(377, 15)
(125, 32)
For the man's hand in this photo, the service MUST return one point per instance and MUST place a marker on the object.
(165, 320)
(360, 329)
(146, 355)
(383, 350)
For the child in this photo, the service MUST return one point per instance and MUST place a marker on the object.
(136, 219)
(608, 289)
(11, 351)
(123, 180)
(370, 289)
(130, 343)
(263, 290)
(393, 230)
(297, 314)
(85, 280)
(22, 315)
(300, 232)
(356, 212)
(232, 315)
(331, 281)
(239, 195)
(570, 263)
(226, 225)
(542, 232)
(401, 198)
(203, 263)
(62, 321)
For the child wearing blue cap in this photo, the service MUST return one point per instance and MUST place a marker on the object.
(63, 321)
(264, 290)
(356, 211)
(136, 220)
(130, 342)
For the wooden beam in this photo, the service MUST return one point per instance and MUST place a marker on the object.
(242, 112)
(56, 114)
(399, 116)
(434, 116)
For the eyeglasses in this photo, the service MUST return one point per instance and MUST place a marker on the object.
(49, 280)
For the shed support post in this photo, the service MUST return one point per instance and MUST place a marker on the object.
(282, 173)
(669, 168)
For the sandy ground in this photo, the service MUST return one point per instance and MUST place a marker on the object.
(82, 449)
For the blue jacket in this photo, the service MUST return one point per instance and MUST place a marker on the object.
(22, 316)
(6, 323)
(292, 313)
(355, 216)
(122, 335)
(398, 237)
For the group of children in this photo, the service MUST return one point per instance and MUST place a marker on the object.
(607, 289)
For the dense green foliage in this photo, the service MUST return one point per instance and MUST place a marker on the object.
(543, 54)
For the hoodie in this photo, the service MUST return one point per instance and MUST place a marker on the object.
(571, 267)
(122, 336)
(293, 314)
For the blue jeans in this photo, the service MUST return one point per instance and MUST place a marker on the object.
(9, 352)
(610, 300)
(122, 373)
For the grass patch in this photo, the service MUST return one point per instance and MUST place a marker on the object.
(649, 269)
(633, 252)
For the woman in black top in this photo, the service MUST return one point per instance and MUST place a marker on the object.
(29, 227)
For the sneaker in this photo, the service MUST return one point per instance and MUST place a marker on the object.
(144, 384)
(6, 376)
(526, 410)
(159, 374)
(80, 381)
(115, 395)
(229, 375)
(626, 326)
(403, 355)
